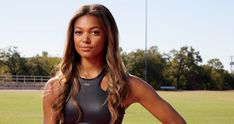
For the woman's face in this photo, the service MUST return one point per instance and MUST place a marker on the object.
(89, 36)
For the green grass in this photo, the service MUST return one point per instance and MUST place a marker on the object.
(204, 107)
(197, 107)
(20, 107)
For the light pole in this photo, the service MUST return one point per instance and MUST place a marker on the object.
(231, 64)
(145, 53)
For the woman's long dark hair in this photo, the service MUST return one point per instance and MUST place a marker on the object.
(117, 85)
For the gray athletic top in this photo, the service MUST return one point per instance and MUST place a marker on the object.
(92, 101)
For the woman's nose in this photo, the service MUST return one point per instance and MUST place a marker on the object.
(85, 38)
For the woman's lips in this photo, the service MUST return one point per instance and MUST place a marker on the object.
(85, 49)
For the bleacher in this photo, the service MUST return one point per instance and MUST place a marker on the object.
(168, 88)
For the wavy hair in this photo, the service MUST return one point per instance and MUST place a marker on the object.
(118, 87)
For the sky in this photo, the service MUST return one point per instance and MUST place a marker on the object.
(207, 25)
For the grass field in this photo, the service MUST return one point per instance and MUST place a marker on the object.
(197, 107)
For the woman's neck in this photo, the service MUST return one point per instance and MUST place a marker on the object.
(90, 68)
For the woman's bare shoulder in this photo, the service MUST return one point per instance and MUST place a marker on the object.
(51, 92)
(139, 88)
(136, 82)
(52, 87)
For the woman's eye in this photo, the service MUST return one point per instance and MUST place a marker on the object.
(95, 32)
(78, 33)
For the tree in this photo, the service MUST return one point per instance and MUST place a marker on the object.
(134, 62)
(3, 69)
(215, 63)
(184, 66)
(13, 63)
(42, 64)
(10, 57)
(220, 79)
(156, 65)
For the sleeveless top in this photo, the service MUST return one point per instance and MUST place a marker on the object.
(93, 103)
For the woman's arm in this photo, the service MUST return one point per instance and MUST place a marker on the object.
(144, 94)
(49, 97)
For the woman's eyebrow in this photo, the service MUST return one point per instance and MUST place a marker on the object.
(78, 27)
(94, 27)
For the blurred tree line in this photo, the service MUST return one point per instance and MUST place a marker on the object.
(180, 68)
(12, 63)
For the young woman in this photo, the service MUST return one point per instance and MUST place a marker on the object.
(92, 86)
